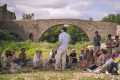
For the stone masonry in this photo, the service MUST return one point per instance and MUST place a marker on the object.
(27, 16)
(38, 27)
(5, 14)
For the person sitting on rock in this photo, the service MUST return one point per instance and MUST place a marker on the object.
(38, 61)
(81, 54)
(72, 57)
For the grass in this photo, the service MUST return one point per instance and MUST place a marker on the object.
(31, 47)
(50, 75)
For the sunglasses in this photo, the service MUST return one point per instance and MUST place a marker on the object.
(13, 52)
(40, 52)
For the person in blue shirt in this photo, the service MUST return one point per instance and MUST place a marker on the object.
(96, 41)
(64, 40)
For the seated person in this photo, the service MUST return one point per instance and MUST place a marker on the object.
(53, 56)
(6, 61)
(86, 54)
(96, 56)
(38, 61)
(72, 57)
(81, 54)
(115, 64)
(3, 56)
(90, 60)
(52, 50)
(22, 55)
(100, 61)
(106, 66)
(15, 59)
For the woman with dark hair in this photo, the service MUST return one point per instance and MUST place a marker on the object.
(115, 44)
(6, 61)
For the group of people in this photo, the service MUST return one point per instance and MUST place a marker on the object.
(8, 59)
(103, 60)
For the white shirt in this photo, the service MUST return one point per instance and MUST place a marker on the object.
(55, 56)
(81, 55)
(35, 59)
(108, 62)
(13, 57)
(116, 58)
(65, 39)
(50, 53)
(3, 55)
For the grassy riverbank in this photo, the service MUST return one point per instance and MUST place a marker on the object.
(31, 47)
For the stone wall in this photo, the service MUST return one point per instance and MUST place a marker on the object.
(27, 16)
(5, 14)
(118, 29)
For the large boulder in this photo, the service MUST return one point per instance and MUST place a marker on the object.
(103, 46)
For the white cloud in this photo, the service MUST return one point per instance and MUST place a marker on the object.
(47, 9)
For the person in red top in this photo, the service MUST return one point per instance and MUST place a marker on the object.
(81, 54)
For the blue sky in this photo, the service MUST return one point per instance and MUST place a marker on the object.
(57, 9)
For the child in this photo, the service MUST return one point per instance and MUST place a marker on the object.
(81, 54)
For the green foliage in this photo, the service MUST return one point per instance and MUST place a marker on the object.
(91, 19)
(75, 33)
(103, 39)
(112, 18)
(4, 35)
(20, 78)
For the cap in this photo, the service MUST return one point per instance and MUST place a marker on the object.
(113, 55)
(63, 28)
(109, 34)
(82, 49)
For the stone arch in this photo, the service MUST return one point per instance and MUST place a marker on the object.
(17, 34)
(63, 24)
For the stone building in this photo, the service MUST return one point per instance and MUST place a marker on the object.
(5, 14)
(27, 16)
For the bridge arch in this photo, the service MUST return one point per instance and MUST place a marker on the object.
(16, 34)
(60, 30)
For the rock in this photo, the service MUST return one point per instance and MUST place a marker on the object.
(90, 47)
(103, 46)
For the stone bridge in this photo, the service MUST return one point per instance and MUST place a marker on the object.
(38, 27)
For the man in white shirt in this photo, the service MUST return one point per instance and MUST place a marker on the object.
(64, 40)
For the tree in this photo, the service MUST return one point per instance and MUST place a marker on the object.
(112, 18)
(91, 19)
